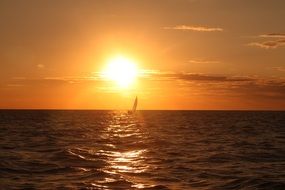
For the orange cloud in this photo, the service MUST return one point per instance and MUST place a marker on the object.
(269, 44)
(272, 35)
(203, 61)
(279, 40)
(194, 28)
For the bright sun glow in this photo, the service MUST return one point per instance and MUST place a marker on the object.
(121, 70)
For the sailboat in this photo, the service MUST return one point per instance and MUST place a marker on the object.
(134, 107)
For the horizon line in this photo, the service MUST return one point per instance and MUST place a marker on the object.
(59, 109)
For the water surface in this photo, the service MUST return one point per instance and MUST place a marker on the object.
(152, 150)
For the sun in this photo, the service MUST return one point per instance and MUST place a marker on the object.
(121, 70)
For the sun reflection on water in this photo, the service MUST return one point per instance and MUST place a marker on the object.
(130, 161)
(126, 156)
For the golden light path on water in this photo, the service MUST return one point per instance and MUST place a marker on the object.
(126, 158)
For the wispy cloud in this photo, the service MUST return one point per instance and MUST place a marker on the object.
(194, 28)
(200, 61)
(234, 86)
(198, 77)
(269, 44)
(23, 81)
(40, 66)
(272, 89)
(274, 40)
(15, 85)
(272, 35)
(281, 69)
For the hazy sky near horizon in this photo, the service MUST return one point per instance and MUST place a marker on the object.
(195, 54)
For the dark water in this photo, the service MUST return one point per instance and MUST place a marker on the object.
(153, 150)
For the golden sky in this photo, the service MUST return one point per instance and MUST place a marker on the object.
(190, 54)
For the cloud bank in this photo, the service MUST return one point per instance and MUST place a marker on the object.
(203, 84)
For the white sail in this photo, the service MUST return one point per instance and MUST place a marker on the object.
(135, 105)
